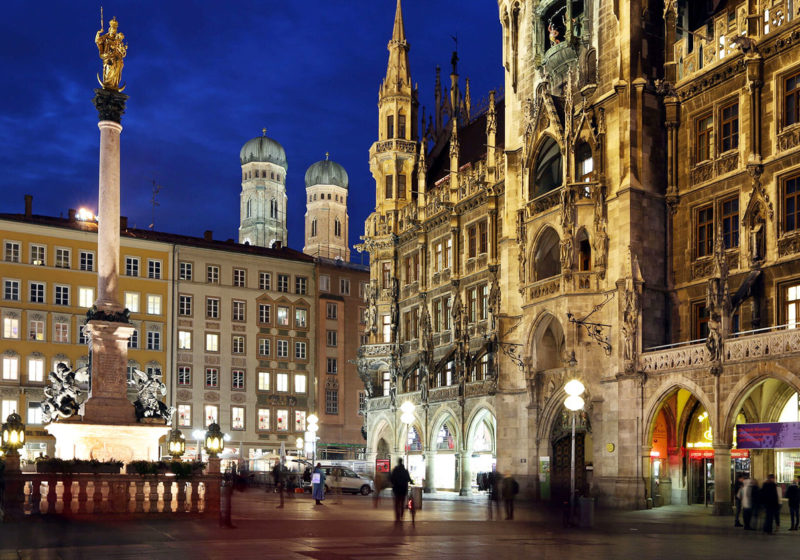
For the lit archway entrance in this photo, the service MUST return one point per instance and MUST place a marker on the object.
(681, 452)
(444, 477)
(481, 447)
(416, 460)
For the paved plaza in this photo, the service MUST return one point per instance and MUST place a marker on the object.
(350, 527)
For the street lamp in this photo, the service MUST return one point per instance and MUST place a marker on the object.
(214, 441)
(299, 443)
(176, 444)
(407, 418)
(311, 435)
(574, 403)
(13, 433)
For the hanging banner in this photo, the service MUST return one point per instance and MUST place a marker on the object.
(773, 435)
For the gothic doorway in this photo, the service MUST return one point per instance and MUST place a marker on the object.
(560, 468)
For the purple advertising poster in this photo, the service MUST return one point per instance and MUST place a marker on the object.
(774, 435)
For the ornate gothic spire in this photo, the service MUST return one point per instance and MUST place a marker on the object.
(398, 77)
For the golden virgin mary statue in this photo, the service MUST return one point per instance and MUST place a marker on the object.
(112, 51)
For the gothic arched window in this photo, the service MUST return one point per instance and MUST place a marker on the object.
(546, 260)
(314, 227)
(547, 172)
(273, 208)
(337, 228)
(249, 208)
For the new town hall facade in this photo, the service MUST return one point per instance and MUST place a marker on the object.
(626, 212)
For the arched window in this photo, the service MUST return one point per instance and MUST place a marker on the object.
(547, 173)
(249, 208)
(337, 228)
(273, 208)
(546, 258)
(314, 227)
(584, 163)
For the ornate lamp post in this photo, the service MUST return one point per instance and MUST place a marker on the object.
(407, 418)
(574, 403)
(299, 443)
(13, 434)
(176, 444)
(214, 440)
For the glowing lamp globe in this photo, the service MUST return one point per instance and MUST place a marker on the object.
(573, 403)
(214, 440)
(574, 387)
(13, 432)
(176, 444)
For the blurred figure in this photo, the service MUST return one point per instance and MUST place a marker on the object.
(745, 498)
(510, 488)
(278, 481)
(793, 497)
(493, 483)
(400, 480)
(770, 499)
(318, 484)
(380, 484)
(738, 501)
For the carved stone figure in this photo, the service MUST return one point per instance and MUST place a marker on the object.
(149, 387)
(630, 321)
(567, 254)
(63, 397)
(494, 295)
(600, 243)
(112, 49)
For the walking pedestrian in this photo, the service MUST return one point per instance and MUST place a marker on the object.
(738, 501)
(278, 481)
(400, 480)
(509, 491)
(771, 502)
(318, 484)
(745, 497)
(793, 497)
(493, 482)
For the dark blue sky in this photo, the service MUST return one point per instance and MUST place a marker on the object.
(205, 77)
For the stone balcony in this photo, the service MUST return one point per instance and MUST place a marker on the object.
(774, 343)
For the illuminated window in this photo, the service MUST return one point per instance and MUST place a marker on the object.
(263, 381)
(211, 414)
(212, 342)
(10, 370)
(184, 415)
(263, 419)
(132, 302)
(282, 382)
(283, 316)
(237, 418)
(299, 383)
(36, 370)
(38, 255)
(282, 420)
(300, 318)
(703, 127)
(153, 304)
(184, 340)
(299, 421)
(10, 327)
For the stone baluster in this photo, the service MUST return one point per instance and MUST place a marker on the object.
(36, 496)
(153, 497)
(139, 496)
(195, 497)
(51, 494)
(182, 496)
(97, 494)
(66, 495)
(167, 495)
(82, 496)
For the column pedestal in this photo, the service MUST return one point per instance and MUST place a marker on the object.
(108, 402)
(466, 475)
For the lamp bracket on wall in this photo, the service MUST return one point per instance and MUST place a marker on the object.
(595, 330)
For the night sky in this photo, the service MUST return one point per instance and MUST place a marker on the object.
(205, 77)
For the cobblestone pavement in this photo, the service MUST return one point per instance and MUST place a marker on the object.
(351, 527)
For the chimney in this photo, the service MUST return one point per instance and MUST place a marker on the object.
(71, 214)
(208, 235)
(123, 223)
(28, 205)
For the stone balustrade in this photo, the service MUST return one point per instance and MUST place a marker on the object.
(96, 494)
(756, 346)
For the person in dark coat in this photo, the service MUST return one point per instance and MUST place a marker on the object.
(278, 479)
(400, 480)
(510, 489)
(318, 488)
(793, 497)
(770, 501)
(493, 483)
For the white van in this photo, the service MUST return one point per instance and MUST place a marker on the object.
(346, 479)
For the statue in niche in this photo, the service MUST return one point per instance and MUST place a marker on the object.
(567, 254)
(630, 320)
(63, 398)
(149, 387)
(600, 243)
(758, 236)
